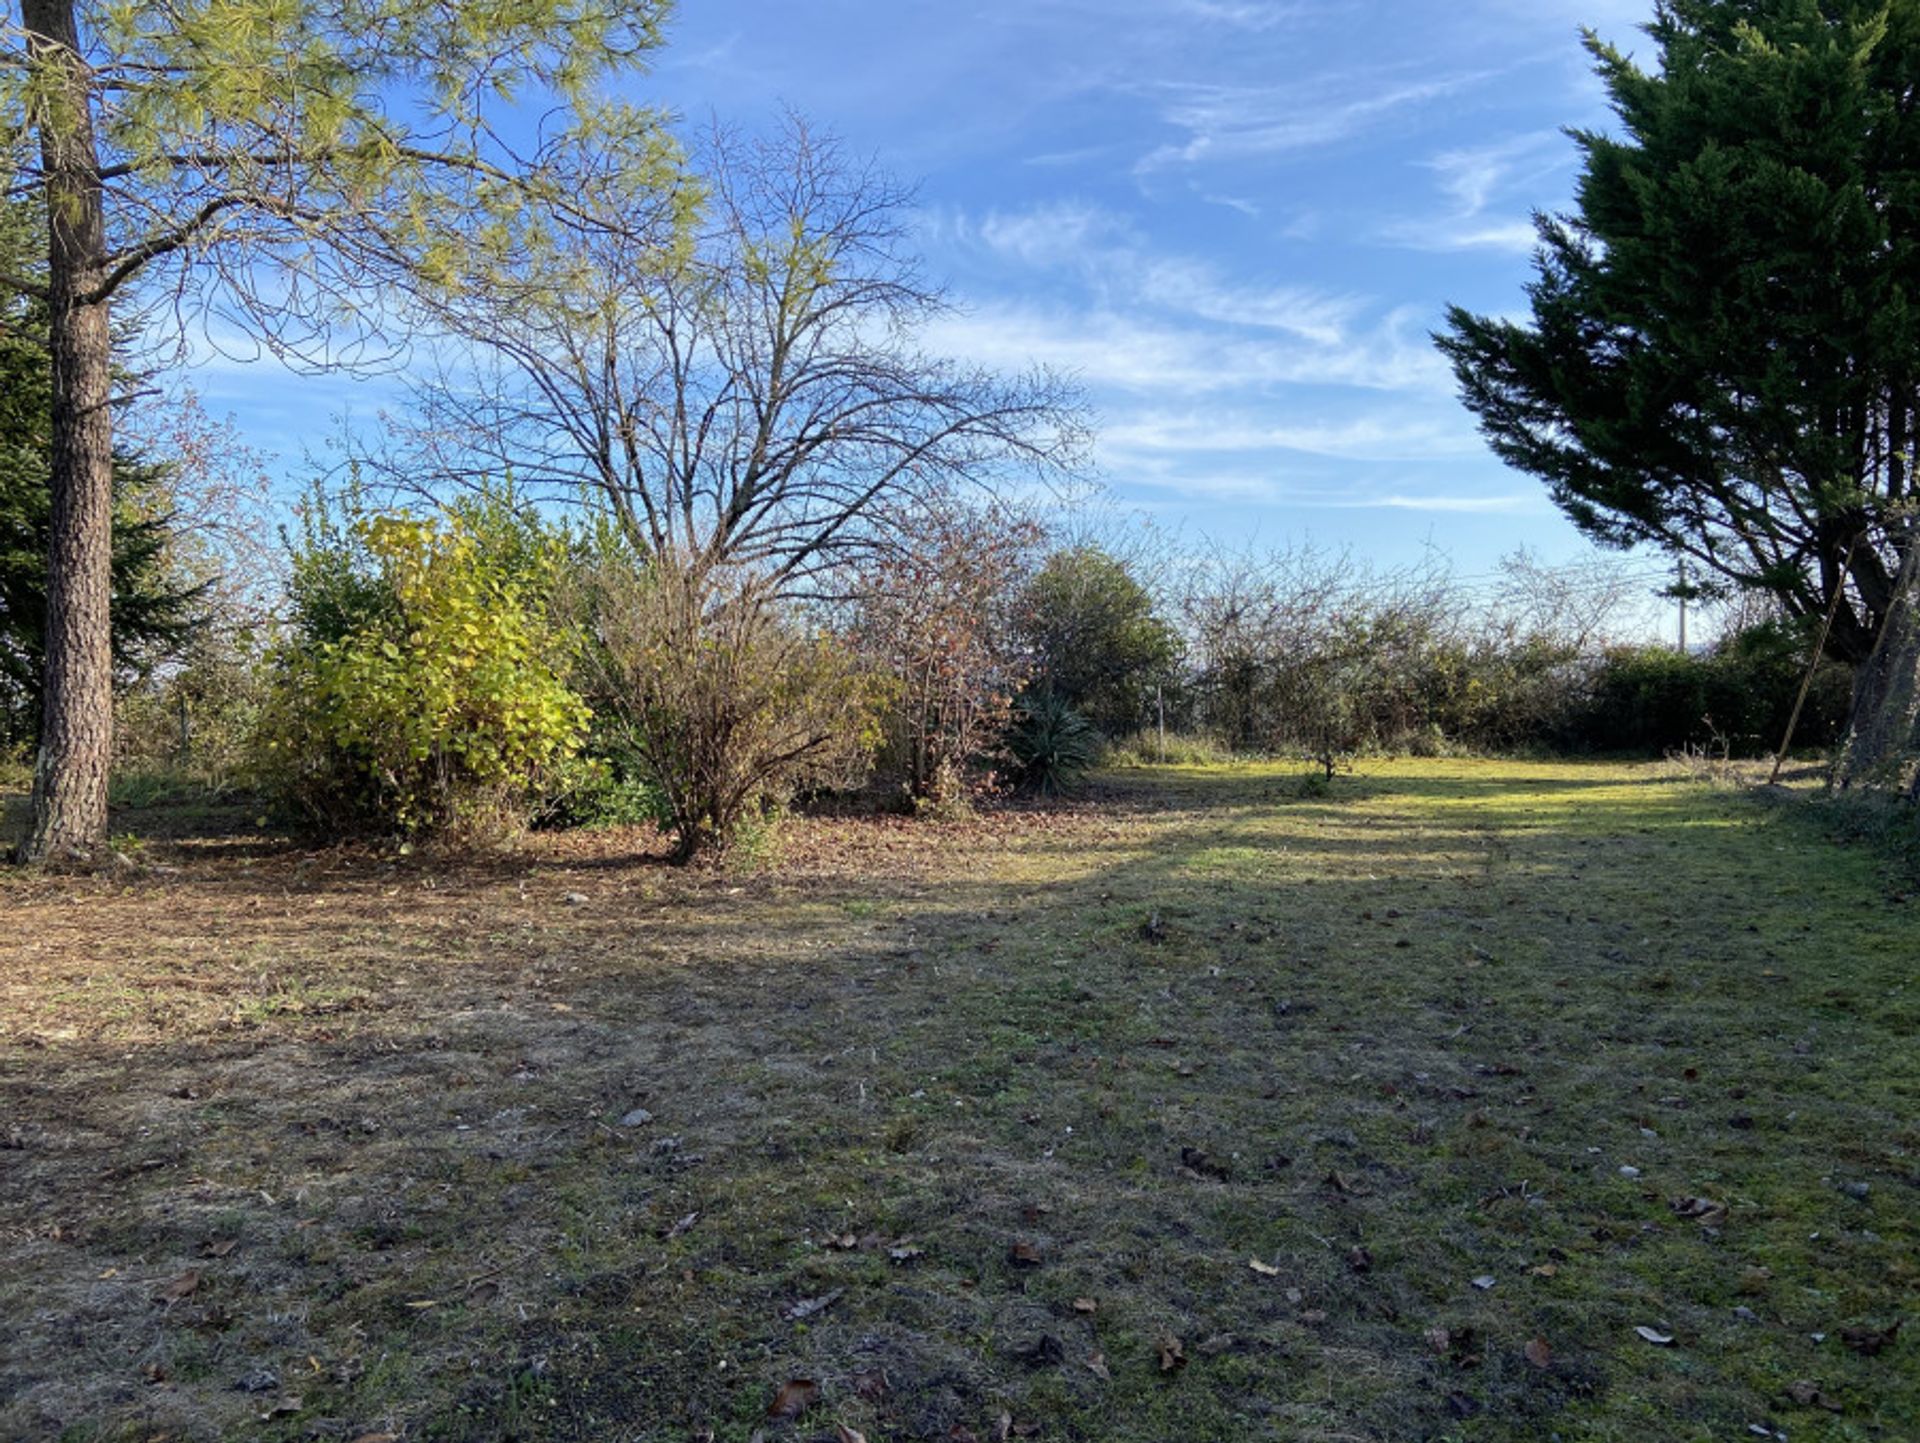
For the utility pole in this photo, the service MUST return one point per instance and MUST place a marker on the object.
(1680, 591)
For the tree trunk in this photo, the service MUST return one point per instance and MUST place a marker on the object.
(70, 776)
(1883, 734)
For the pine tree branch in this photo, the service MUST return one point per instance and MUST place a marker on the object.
(22, 286)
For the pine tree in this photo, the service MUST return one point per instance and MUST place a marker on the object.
(297, 164)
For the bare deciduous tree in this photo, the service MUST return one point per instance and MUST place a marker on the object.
(757, 398)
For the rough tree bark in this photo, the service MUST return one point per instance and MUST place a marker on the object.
(1882, 750)
(70, 774)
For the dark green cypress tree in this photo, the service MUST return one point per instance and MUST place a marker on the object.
(1723, 355)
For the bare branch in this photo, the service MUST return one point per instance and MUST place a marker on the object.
(760, 401)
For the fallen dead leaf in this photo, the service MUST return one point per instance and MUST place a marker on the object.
(1265, 1270)
(1085, 1305)
(870, 1385)
(1702, 1210)
(218, 1247)
(1045, 1351)
(1202, 1165)
(1655, 1336)
(175, 1289)
(1463, 1346)
(1807, 1394)
(1024, 1255)
(807, 1307)
(376, 1438)
(1172, 1353)
(843, 1434)
(1539, 1353)
(1097, 1365)
(793, 1398)
(1868, 1342)
(683, 1225)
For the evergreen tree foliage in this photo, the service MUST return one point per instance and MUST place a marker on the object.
(154, 607)
(1723, 352)
(1094, 638)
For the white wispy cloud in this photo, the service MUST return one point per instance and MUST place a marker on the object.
(1512, 503)
(1064, 232)
(1474, 176)
(1221, 387)
(1381, 437)
(1236, 122)
(1247, 14)
(1274, 487)
(1231, 202)
(1107, 347)
(1517, 237)
(1110, 257)
(1516, 174)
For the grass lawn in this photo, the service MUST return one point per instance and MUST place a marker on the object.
(1477, 1101)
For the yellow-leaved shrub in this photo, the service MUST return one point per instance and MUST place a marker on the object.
(428, 692)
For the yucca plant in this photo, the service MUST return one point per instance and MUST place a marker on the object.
(1050, 743)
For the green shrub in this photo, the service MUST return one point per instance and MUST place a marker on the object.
(158, 786)
(1737, 697)
(1051, 745)
(197, 720)
(423, 690)
(1093, 637)
(16, 769)
(602, 791)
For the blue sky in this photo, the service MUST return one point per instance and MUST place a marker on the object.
(1235, 220)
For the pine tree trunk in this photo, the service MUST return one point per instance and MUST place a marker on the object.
(76, 739)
